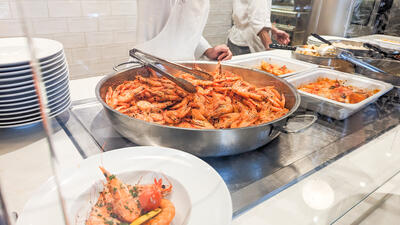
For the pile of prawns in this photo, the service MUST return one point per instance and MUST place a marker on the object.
(226, 102)
(121, 204)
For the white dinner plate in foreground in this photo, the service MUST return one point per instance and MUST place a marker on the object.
(199, 194)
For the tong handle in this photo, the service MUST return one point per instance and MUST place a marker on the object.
(349, 57)
(197, 73)
(321, 39)
(284, 47)
(184, 84)
(390, 54)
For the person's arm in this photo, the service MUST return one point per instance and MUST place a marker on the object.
(219, 52)
(201, 47)
(259, 12)
(281, 36)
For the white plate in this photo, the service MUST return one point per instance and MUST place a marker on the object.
(7, 83)
(33, 99)
(50, 87)
(30, 87)
(58, 61)
(17, 117)
(34, 108)
(199, 194)
(36, 119)
(54, 69)
(14, 51)
(34, 103)
(27, 66)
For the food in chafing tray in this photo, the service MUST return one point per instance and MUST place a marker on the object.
(274, 69)
(314, 50)
(390, 41)
(348, 46)
(226, 102)
(337, 90)
(122, 204)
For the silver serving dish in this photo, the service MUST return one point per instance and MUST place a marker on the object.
(209, 142)
(356, 52)
(325, 62)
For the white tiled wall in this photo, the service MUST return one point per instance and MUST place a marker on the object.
(96, 34)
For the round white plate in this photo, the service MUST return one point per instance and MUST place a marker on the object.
(50, 87)
(35, 119)
(7, 83)
(21, 73)
(57, 67)
(34, 103)
(33, 98)
(31, 87)
(34, 108)
(27, 66)
(199, 194)
(14, 51)
(22, 116)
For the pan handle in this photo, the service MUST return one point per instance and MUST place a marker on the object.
(116, 68)
(285, 129)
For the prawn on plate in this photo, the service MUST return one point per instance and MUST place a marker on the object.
(122, 204)
(226, 102)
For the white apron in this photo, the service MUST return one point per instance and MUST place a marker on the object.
(171, 29)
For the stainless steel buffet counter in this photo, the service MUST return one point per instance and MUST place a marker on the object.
(258, 175)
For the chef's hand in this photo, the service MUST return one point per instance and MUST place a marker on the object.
(281, 36)
(219, 52)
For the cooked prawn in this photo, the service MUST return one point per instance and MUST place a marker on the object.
(157, 99)
(123, 203)
(166, 216)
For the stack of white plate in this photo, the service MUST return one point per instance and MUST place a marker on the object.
(18, 98)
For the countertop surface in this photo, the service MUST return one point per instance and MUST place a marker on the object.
(369, 173)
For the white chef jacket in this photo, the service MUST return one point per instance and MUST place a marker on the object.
(249, 18)
(172, 31)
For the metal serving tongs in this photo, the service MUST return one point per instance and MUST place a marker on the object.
(331, 51)
(143, 57)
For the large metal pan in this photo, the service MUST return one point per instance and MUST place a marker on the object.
(210, 142)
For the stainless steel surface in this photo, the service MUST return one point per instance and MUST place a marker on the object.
(208, 142)
(333, 108)
(325, 62)
(292, 5)
(184, 84)
(258, 175)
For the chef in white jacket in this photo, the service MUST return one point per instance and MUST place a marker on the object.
(252, 26)
(172, 29)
